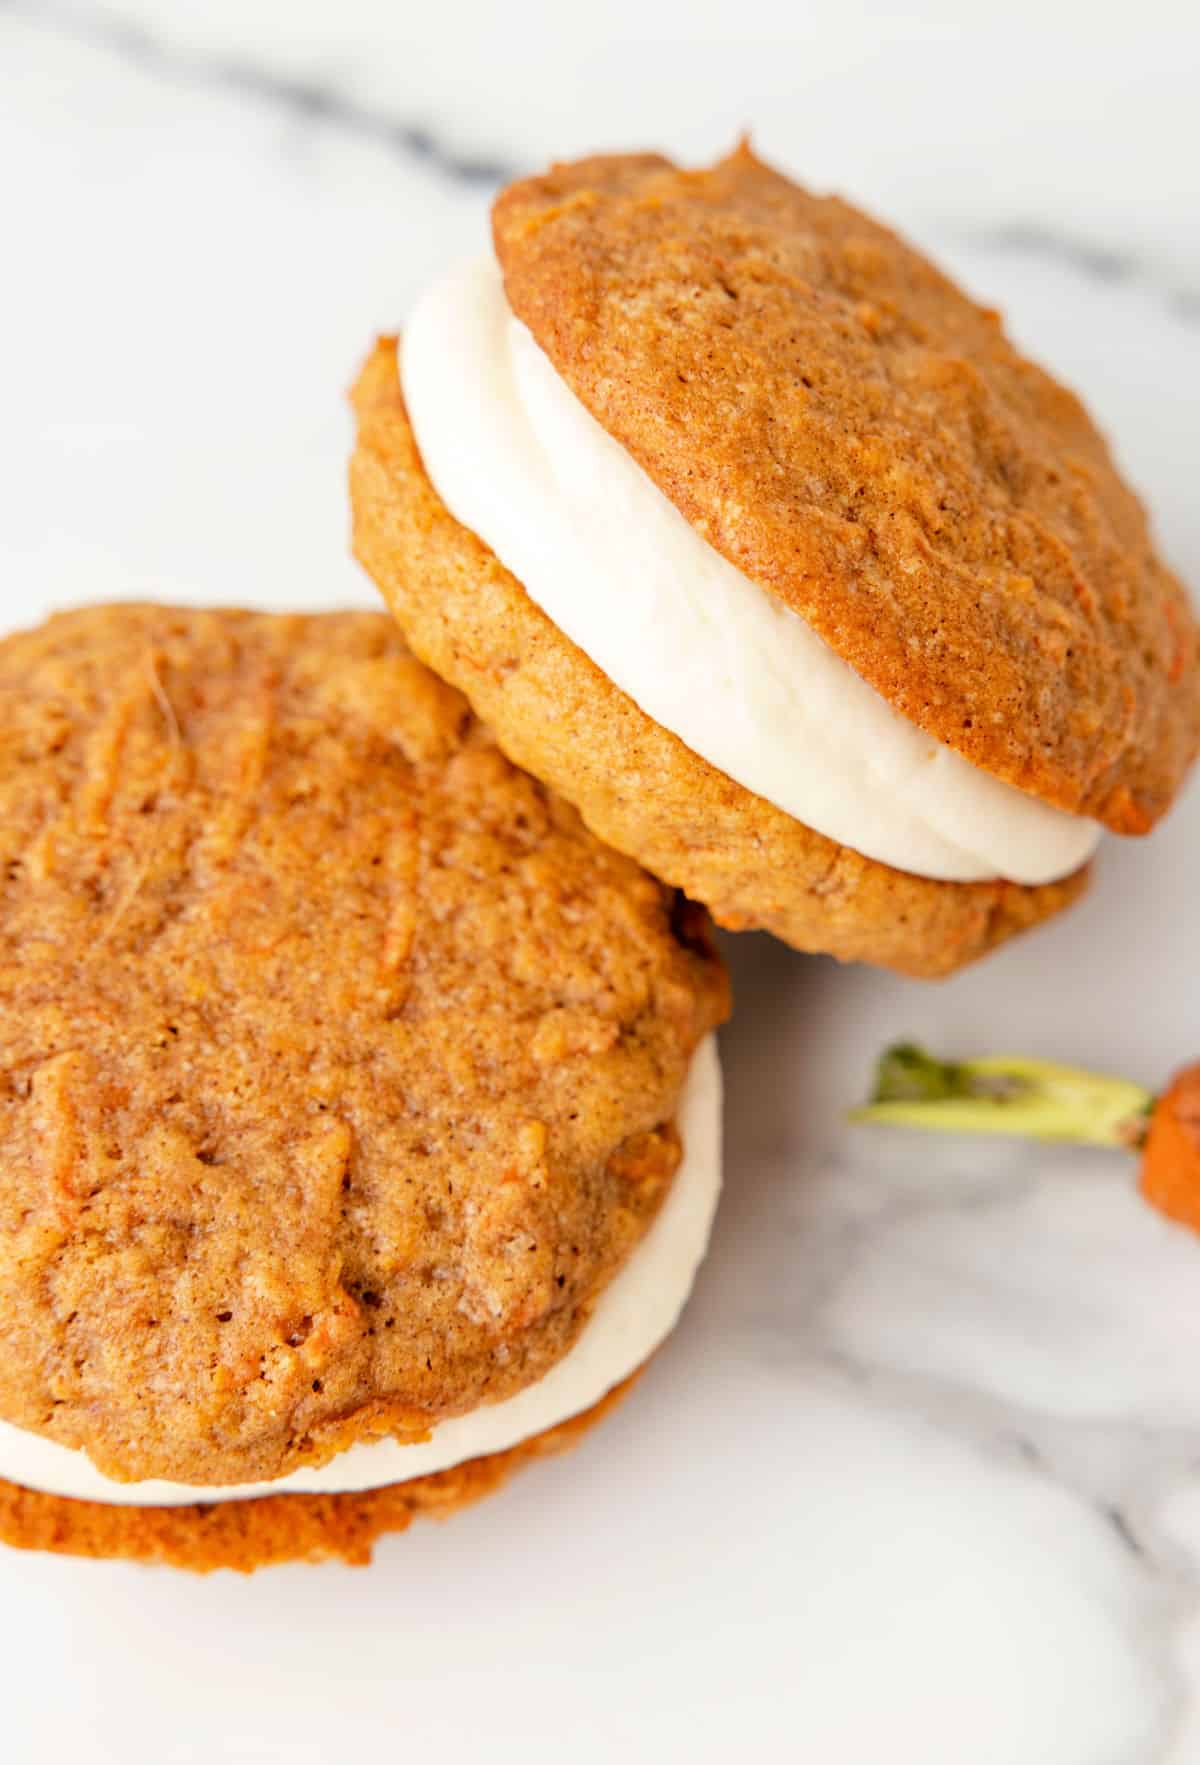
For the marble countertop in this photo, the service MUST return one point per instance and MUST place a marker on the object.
(919, 1476)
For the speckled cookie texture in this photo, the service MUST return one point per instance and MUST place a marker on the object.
(862, 440)
(257, 1534)
(338, 1060)
(636, 784)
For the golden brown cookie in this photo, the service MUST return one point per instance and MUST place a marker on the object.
(338, 1061)
(861, 439)
(246, 1535)
(637, 785)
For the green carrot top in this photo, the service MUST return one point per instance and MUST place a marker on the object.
(1006, 1094)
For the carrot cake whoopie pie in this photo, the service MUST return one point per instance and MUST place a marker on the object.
(359, 1110)
(753, 536)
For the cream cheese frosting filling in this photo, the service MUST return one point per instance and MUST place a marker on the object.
(724, 665)
(633, 1316)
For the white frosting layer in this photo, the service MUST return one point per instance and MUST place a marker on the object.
(636, 1312)
(736, 675)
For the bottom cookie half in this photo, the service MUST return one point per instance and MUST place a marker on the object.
(246, 1535)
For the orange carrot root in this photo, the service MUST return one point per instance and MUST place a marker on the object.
(1170, 1176)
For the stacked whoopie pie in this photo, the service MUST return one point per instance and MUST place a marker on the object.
(359, 1107)
(751, 534)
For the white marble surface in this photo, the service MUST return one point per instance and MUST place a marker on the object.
(919, 1477)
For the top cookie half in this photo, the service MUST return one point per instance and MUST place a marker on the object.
(861, 439)
(338, 1062)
